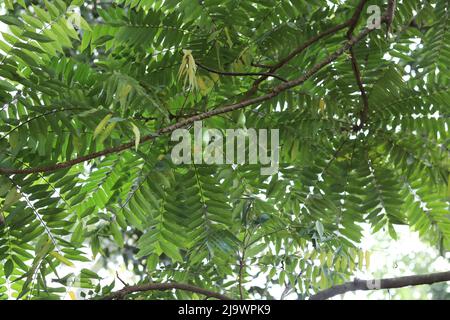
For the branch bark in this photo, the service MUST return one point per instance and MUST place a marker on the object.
(164, 287)
(355, 18)
(239, 105)
(365, 110)
(294, 53)
(389, 283)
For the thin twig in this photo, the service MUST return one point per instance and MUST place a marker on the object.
(355, 67)
(236, 74)
(364, 112)
(294, 53)
(355, 18)
(120, 279)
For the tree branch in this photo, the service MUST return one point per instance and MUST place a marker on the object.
(164, 287)
(239, 105)
(389, 283)
(236, 74)
(260, 65)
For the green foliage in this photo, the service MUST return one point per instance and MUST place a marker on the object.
(77, 78)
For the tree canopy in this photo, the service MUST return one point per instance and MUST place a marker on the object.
(91, 90)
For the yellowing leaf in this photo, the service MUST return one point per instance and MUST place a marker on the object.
(241, 120)
(72, 295)
(322, 105)
(322, 258)
(62, 259)
(323, 282)
(102, 125)
(367, 258)
(351, 264)
(201, 85)
(205, 84)
(214, 76)
(137, 135)
(337, 264)
(187, 70)
(123, 94)
(344, 263)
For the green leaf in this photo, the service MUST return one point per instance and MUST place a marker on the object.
(117, 234)
(152, 262)
(170, 250)
(102, 124)
(101, 40)
(8, 267)
(107, 132)
(319, 228)
(12, 197)
(11, 20)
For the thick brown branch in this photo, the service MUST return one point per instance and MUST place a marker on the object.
(389, 283)
(164, 287)
(236, 74)
(365, 110)
(355, 18)
(239, 105)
